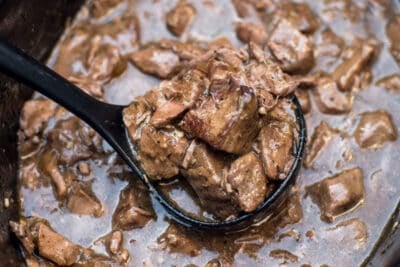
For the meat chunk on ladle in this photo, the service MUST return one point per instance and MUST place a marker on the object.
(107, 120)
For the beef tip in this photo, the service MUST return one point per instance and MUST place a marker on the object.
(166, 113)
(322, 135)
(156, 61)
(104, 62)
(84, 168)
(276, 144)
(375, 129)
(134, 208)
(72, 142)
(299, 15)
(390, 83)
(283, 110)
(251, 32)
(338, 194)
(55, 247)
(330, 99)
(35, 115)
(304, 99)
(329, 48)
(82, 201)
(204, 169)
(292, 49)
(178, 240)
(269, 76)
(48, 165)
(114, 242)
(357, 58)
(135, 116)
(186, 51)
(160, 152)
(246, 182)
(180, 17)
(89, 86)
(227, 120)
(392, 32)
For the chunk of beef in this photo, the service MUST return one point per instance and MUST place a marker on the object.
(357, 59)
(178, 240)
(35, 115)
(74, 140)
(55, 247)
(160, 152)
(180, 17)
(186, 51)
(304, 99)
(392, 32)
(251, 32)
(299, 15)
(284, 111)
(292, 49)
(330, 99)
(329, 48)
(269, 76)
(338, 194)
(320, 138)
(82, 201)
(375, 129)
(276, 143)
(134, 208)
(48, 165)
(115, 241)
(284, 255)
(104, 62)
(166, 113)
(204, 170)
(24, 235)
(390, 83)
(156, 61)
(246, 182)
(135, 116)
(227, 119)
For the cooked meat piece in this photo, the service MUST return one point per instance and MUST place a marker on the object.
(55, 247)
(290, 213)
(292, 49)
(166, 113)
(246, 182)
(231, 56)
(329, 48)
(357, 59)
(269, 76)
(392, 32)
(204, 170)
(91, 87)
(100, 8)
(114, 242)
(244, 8)
(304, 99)
(104, 61)
(35, 115)
(73, 140)
(320, 138)
(227, 119)
(276, 143)
(375, 129)
(135, 116)
(391, 82)
(299, 15)
(252, 32)
(29, 175)
(160, 152)
(330, 99)
(48, 165)
(156, 61)
(178, 240)
(186, 51)
(24, 235)
(266, 101)
(134, 208)
(283, 110)
(82, 201)
(338, 194)
(180, 17)
(84, 168)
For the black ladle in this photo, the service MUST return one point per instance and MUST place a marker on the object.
(106, 119)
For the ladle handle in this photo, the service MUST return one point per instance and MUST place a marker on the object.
(17, 64)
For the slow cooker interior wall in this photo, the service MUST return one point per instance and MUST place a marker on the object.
(34, 26)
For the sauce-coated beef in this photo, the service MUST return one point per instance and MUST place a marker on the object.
(35, 115)
(390, 83)
(320, 138)
(180, 17)
(375, 129)
(292, 49)
(338, 194)
(392, 32)
(252, 32)
(227, 119)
